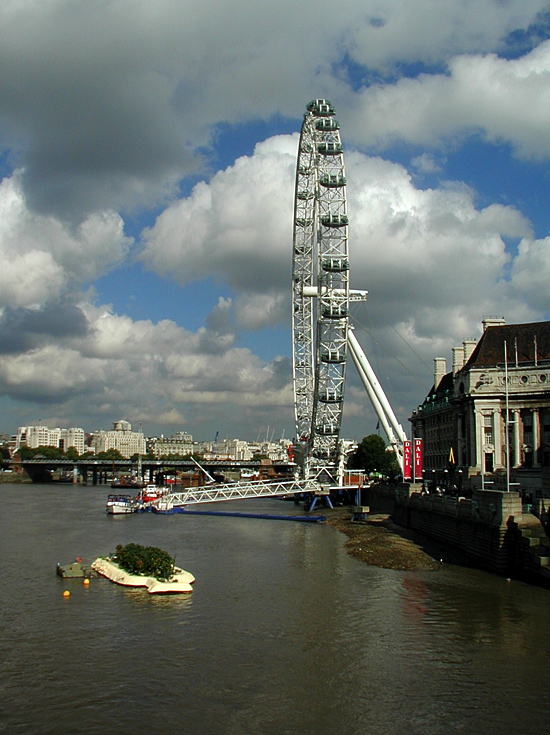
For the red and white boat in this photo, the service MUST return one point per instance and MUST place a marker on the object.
(150, 493)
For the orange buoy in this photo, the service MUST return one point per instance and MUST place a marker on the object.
(86, 582)
(66, 593)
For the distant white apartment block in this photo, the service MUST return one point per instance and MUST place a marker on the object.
(73, 438)
(121, 438)
(239, 450)
(276, 451)
(42, 436)
(179, 444)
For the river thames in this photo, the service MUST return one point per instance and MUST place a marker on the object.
(284, 633)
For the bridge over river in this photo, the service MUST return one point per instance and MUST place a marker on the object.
(101, 471)
(211, 481)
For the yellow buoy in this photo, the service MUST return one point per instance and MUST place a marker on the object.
(86, 582)
(66, 593)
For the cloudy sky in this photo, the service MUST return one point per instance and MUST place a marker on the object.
(147, 161)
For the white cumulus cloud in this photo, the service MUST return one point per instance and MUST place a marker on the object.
(40, 255)
(503, 100)
(404, 241)
(531, 273)
(108, 105)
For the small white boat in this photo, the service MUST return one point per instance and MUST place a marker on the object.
(162, 505)
(120, 504)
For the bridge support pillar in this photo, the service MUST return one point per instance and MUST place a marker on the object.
(324, 496)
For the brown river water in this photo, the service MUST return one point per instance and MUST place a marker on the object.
(284, 633)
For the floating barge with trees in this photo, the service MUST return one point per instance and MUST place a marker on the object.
(144, 566)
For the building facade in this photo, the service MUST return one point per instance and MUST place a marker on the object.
(41, 436)
(491, 413)
(121, 438)
(179, 444)
(239, 450)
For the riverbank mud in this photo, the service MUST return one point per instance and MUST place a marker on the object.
(381, 543)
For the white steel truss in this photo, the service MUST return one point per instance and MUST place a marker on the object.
(237, 491)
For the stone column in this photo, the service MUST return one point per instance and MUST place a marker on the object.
(517, 445)
(480, 440)
(536, 437)
(497, 438)
(460, 443)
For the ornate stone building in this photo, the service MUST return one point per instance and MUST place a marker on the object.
(494, 404)
(179, 444)
(121, 438)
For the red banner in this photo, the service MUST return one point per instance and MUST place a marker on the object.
(418, 459)
(407, 460)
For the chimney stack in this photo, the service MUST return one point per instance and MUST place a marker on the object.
(469, 347)
(440, 369)
(458, 359)
(493, 321)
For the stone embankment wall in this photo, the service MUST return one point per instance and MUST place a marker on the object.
(490, 528)
(14, 478)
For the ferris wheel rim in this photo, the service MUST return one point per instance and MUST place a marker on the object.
(320, 288)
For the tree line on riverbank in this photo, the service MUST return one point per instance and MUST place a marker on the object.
(373, 456)
(70, 453)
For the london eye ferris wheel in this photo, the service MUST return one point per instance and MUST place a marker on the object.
(321, 334)
(320, 290)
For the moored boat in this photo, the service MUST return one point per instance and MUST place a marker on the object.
(120, 504)
(162, 505)
(127, 481)
(76, 570)
(151, 493)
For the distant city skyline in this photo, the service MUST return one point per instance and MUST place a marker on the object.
(270, 435)
(147, 180)
(130, 443)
